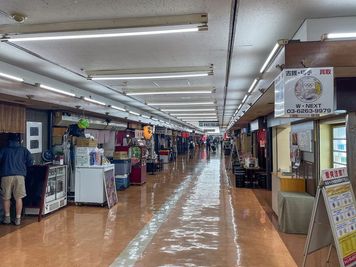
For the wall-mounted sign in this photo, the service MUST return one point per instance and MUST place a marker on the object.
(161, 130)
(304, 92)
(208, 124)
(139, 134)
(34, 136)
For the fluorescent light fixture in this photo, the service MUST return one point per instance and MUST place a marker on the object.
(118, 108)
(244, 99)
(207, 117)
(94, 101)
(11, 77)
(55, 90)
(269, 58)
(149, 77)
(155, 119)
(170, 93)
(104, 33)
(196, 120)
(239, 107)
(252, 86)
(188, 110)
(181, 103)
(193, 114)
(341, 35)
(134, 113)
(145, 116)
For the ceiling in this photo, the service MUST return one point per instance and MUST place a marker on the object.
(259, 24)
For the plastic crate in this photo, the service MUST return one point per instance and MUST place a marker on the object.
(122, 182)
(122, 167)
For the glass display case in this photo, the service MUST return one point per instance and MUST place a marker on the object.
(46, 189)
(138, 161)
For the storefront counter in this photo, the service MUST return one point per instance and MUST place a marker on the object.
(294, 212)
(285, 183)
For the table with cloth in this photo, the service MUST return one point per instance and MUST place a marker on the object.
(294, 212)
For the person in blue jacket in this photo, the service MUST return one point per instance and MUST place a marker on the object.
(14, 160)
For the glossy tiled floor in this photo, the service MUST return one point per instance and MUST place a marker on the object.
(187, 215)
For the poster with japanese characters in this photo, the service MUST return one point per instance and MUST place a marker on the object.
(341, 207)
(304, 92)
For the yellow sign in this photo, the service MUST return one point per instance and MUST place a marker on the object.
(147, 132)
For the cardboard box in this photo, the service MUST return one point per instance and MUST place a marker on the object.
(57, 131)
(57, 140)
(85, 142)
(120, 155)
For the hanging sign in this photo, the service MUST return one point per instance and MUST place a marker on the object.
(304, 92)
(147, 132)
(139, 134)
(208, 124)
(161, 130)
(334, 217)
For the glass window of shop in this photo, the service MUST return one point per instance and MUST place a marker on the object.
(339, 146)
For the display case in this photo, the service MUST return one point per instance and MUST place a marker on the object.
(138, 165)
(89, 183)
(46, 188)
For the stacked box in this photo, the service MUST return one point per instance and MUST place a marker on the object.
(86, 142)
(122, 167)
(122, 182)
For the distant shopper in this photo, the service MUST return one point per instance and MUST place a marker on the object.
(191, 149)
(14, 160)
(208, 144)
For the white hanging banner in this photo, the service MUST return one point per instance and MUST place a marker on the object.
(304, 92)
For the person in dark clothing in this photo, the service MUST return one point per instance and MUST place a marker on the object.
(208, 144)
(191, 149)
(14, 160)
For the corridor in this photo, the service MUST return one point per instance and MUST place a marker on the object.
(187, 215)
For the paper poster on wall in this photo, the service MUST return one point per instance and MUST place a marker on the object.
(34, 136)
(304, 92)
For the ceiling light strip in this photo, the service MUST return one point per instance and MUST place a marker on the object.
(192, 110)
(169, 93)
(341, 35)
(194, 114)
(94, 101)
(180, 103)
(252, 86)
(143, 77)
(118, 108)
(99, 35)
(134, 113)
(269, 58)
(11, 77)
(55, 90)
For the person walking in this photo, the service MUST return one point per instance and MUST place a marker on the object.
(14, 160)
(191, 149)
(208, 144)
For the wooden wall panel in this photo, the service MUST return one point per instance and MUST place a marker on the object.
(12, 118)
(339, 54)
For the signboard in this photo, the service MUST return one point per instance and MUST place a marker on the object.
(335, 191)
(160, 130)
(139, 134)
(208, 124)
(304, 92)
